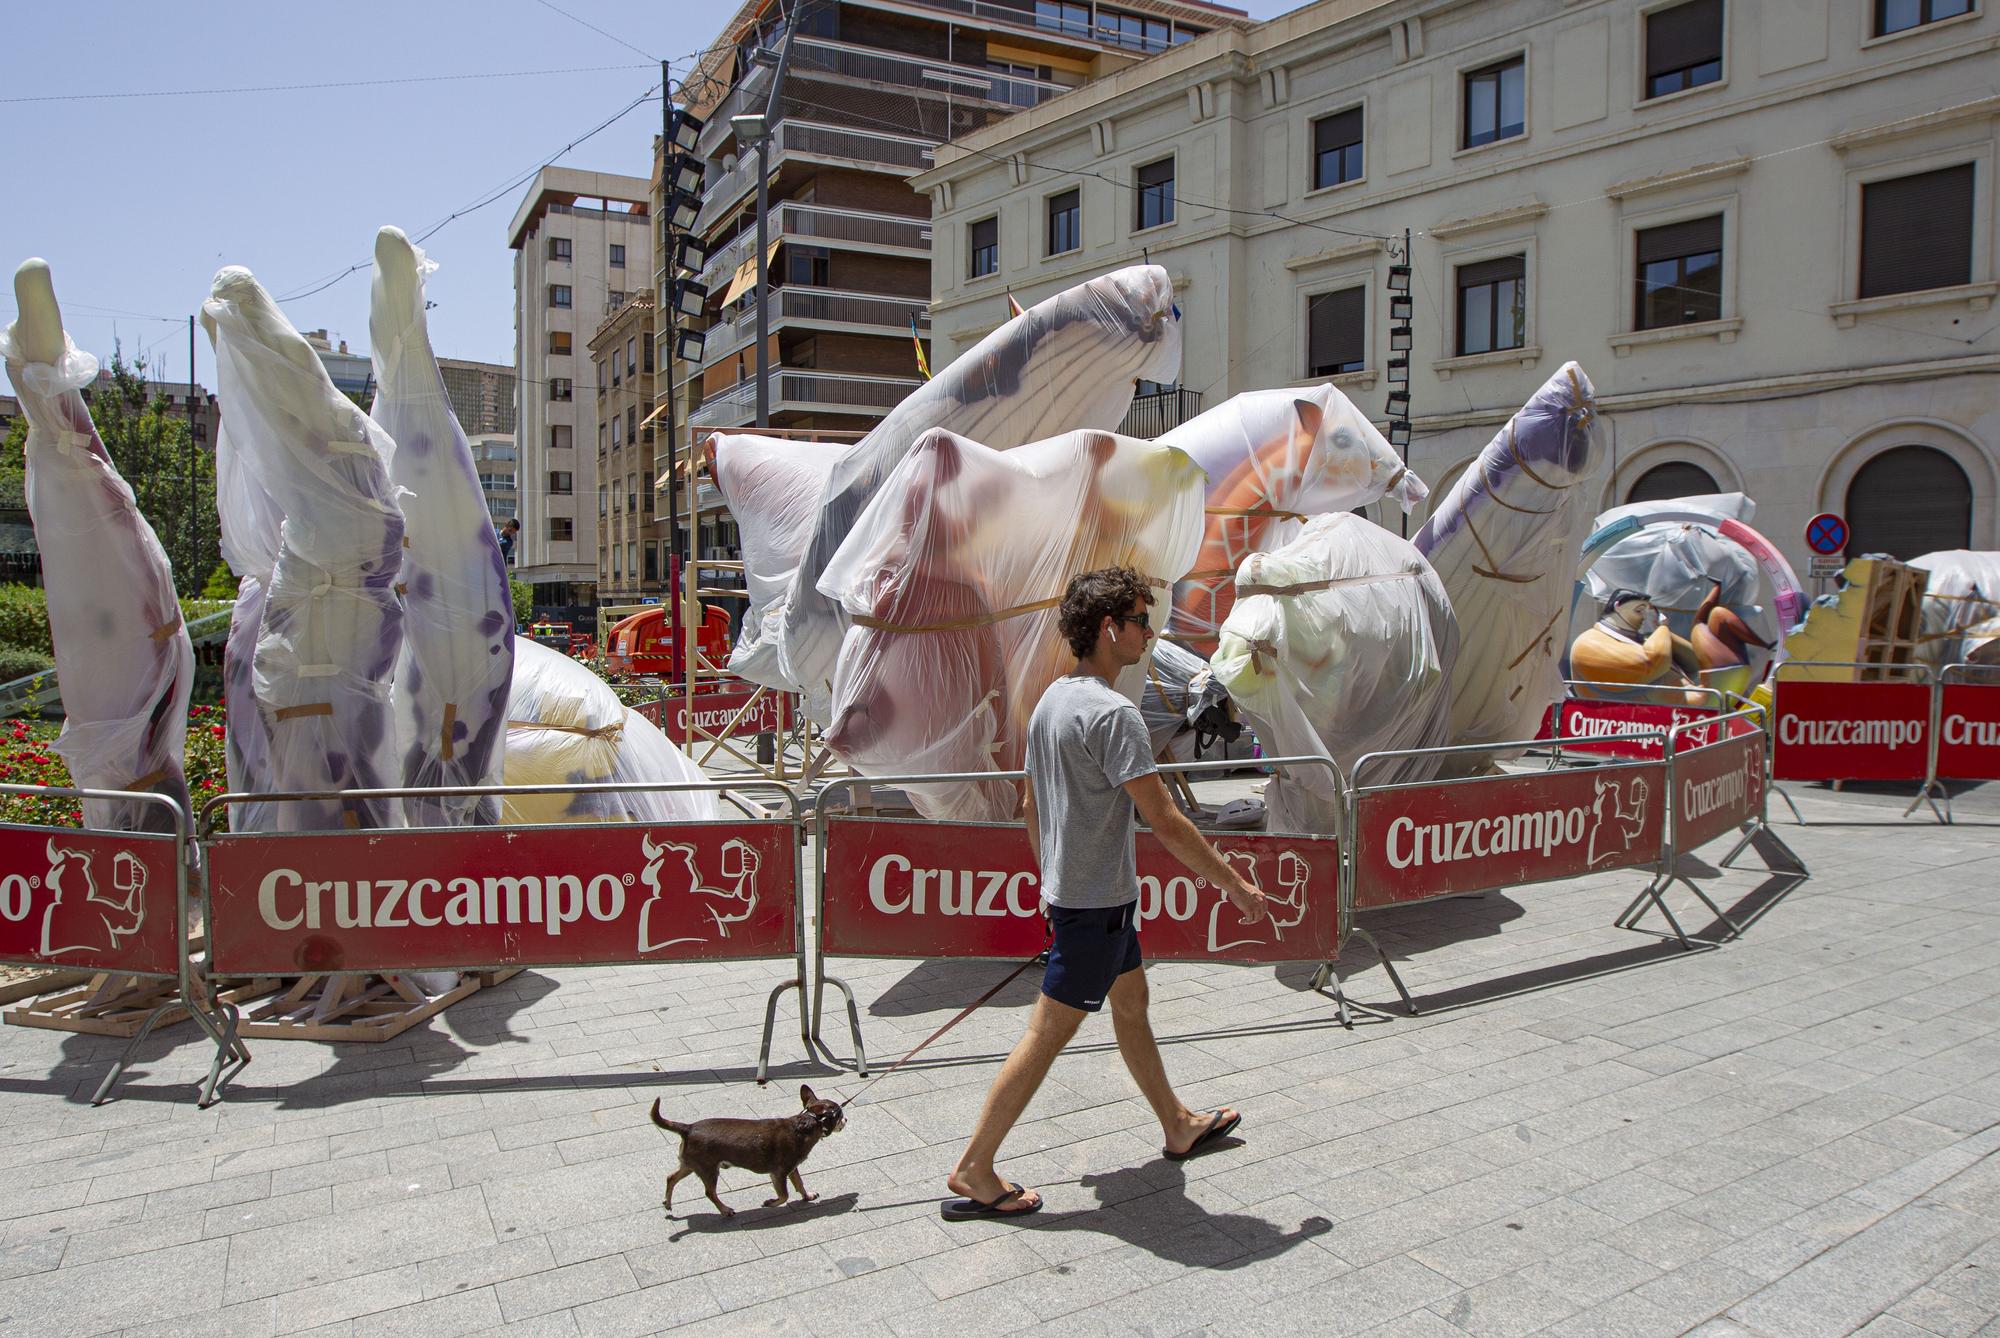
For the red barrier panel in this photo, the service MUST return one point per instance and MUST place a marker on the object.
(571, 896)
(716, 714)
(905, 888)
(90, 901)
(1968, 744)
(1624, 729)
(1851, 731)
(1718, 787)
(1415, 842)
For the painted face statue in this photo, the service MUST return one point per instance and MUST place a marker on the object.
(1631, 610)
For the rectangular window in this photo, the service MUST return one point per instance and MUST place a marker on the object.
(1683, 47)
(983, 241)
(1680, 274)
(603, 499)
(632, 493)
(617, 256)
(559, 342)
(632, 560)
(1492, 305)
(1496, 102)
(1156, 195)
(559, 388)
(559, 436)
(1337, 148)
(559, 248)
(617, 432)
(559, 483)
(632, 423)
(562, 529)
(646, 353)
(559, 295)
(1063, 17)
(632, 355)
(806, 265)
(617, 573)
(1065, 222)
(1916, 232)
(1337, 332)
(1894, 16)
(617, 371)
(652, 563)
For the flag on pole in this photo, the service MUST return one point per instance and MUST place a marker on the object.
(1013, 306)
(923, 363)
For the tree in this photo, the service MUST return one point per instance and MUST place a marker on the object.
(221, 583)
(524, 601)
(151, 448)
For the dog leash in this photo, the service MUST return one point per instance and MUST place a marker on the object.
(963, 1014)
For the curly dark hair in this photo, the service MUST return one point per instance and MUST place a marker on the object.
(1094, 596)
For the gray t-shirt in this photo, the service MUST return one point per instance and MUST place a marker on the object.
(1084, 742)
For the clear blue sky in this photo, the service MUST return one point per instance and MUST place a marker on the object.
(137, 201)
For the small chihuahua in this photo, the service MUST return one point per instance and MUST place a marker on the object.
(776, 1148)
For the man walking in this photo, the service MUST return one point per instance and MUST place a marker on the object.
(1089, 765)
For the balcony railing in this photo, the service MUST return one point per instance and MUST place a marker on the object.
(818, 223)
(938, 76)
(903, 154)
(835, 392)
(1163, 411)
(826, 306)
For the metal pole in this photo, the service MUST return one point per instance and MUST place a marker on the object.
(1410, 259)
(663, 357)
(188, 525)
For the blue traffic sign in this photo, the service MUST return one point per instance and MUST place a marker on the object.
(1826, 534)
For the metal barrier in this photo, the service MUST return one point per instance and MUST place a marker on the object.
(401, 900)
(906, 887)
(1720, 785)
(1847, 731)
(1624, 726)
(1967, 742)
(95, 908)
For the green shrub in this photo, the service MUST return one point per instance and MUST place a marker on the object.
(24, 618)
(16, 662)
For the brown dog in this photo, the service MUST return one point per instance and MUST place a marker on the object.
(776, 1148)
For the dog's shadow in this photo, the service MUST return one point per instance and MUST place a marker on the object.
(1148, 1207)
(704, 1220)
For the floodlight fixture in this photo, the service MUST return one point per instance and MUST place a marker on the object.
(1398, 404)
(688, 345)
(1399, 371)
(1399, 278)
(684, 129)
(1402, 308)
(1399, 433)
(689, 296)
(684, 173)
(1399, 338)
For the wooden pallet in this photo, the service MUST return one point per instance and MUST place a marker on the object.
(1892, 622)
(104, 1005)
(45, 982)
(353, 1008)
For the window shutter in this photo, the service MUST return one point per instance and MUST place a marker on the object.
(1680, 239)
(1492, 271)
(1337, 131)
(1685, 35)
(1156, 174)
(1336, 329)
(1916, 232)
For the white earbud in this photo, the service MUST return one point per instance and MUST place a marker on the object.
(1114, 631)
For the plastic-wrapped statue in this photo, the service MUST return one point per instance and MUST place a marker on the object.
(1068, 363)
(1185, 708)
(1724, 642)
(1340, 644)
(1506, 543)
(1273, 458)
(951, 578)
(458, 613)
(565, 726)
(1961, 610)
(123, 659)
(1630, 643)
(332, 627)
(773, 489)
(251, 526)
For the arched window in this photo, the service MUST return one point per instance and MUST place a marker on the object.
(1909, 501)
(1677, 478)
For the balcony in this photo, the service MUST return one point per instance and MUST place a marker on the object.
(820, 308)
(942, 78)
(902, 155)
(1163, 411)
(797, 390)
(847, 229)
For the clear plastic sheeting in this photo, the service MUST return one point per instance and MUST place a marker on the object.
(123, 659)
(1506, 542)
(1961, 609)
(332, 628)
(565, 726)
(952, 577)
(1342, 643)
(773, 489)
(1066, 364)
(453, 679)
(1679, 565)
(252, 526)
(1181, 696)
(1274, 458)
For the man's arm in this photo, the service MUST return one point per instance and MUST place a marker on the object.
(1028, 816)
(1186, 844)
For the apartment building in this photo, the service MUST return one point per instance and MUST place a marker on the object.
(1766, 230)
(632, 532)
(493, 458)
(481, 394)
(352, 374)
(870, 90)
(581, 241)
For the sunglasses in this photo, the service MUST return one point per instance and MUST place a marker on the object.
(1144, 618)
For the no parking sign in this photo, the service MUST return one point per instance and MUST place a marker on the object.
(1826, 534)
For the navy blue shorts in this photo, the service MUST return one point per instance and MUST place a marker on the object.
(1090, 949)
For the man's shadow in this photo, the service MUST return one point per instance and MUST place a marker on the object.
(1148, 1207)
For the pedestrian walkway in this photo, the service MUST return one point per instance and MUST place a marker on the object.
(1589, 1131)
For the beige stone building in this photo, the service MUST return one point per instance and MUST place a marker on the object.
(1765, 229)
(631, 531)
(581, 243)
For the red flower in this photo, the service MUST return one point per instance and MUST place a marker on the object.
(216, 730)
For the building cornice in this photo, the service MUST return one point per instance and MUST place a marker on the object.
(1679, 176)
(1916, 125)
(1497, 218)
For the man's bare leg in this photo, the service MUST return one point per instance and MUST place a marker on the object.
(1129, 1000)
(1050, 1027)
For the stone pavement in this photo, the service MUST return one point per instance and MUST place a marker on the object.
(1588, 1132)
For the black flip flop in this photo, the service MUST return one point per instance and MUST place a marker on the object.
(1218, 1129)
(964, 1210)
